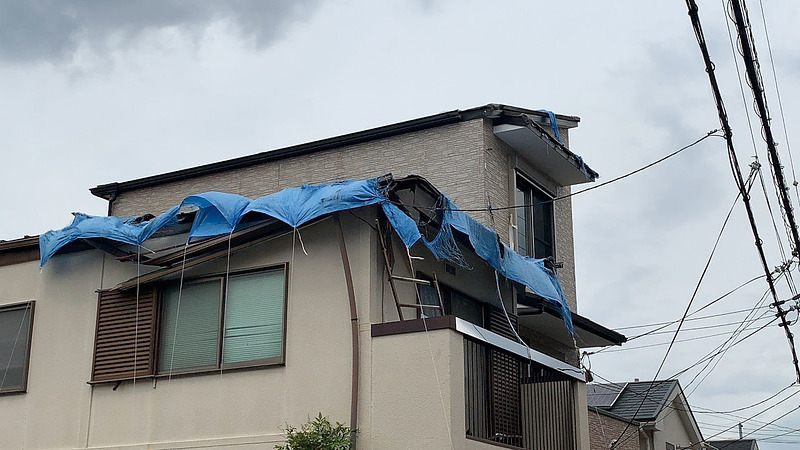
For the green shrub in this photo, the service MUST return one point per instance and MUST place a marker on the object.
(317, 434)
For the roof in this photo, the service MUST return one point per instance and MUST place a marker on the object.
(539, 315)
(500, 114)
(641, 400)
(603, 395)
(733, 444)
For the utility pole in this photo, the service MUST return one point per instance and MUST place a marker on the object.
(750, 57)
(726, 128)
(747, 46)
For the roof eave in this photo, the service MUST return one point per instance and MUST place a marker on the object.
(109, 190)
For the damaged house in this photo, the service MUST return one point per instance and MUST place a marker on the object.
(217, 304)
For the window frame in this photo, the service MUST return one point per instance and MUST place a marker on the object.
(220, 366)
(447, 301)
(529, 189)
(28, 306)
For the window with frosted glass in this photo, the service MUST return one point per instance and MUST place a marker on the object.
(15, 335)
(223, 322)
(190, 326)
(254, 317)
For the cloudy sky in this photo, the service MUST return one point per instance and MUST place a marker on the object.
(111, 91)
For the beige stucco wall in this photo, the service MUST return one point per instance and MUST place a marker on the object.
(399, 402)
(241, 409)
(256, 403)
(53, 412)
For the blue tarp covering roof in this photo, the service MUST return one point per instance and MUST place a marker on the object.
(219, 213)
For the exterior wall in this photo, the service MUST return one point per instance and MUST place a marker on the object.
(52, 413)
(603, 429)
(448, 156)
(253, 404)
(400, 404)
(501, 164)
(464, 160)
(235, 409)
(672, 425)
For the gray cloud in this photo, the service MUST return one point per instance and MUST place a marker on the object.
(51, 30)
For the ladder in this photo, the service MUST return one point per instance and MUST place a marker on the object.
(417, 282)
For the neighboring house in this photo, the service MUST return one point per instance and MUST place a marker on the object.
(733, 444)
(658, 414)
(223, 318)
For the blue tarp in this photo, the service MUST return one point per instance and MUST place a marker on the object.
(219, 213)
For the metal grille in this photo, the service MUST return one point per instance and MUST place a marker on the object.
(476, 389)
(515, 402)
(505, 395)
(548, 410)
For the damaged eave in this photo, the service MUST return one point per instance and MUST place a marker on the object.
(19, 250)
(529, 139)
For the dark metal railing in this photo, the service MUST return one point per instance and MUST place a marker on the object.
(517, 402)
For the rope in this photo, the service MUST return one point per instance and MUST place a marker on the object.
(433, 363)
(177, 312)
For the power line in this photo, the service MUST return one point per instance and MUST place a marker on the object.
(659, 344)
(689, 318)
(605, 183)
(757, 403)
(744, 193)
(695, 18)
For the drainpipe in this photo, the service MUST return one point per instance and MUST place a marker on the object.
(111, 199)
(646, 438)
(348, 277)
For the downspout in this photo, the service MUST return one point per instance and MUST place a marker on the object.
(647, 439)
(348, 277)
(111, 199)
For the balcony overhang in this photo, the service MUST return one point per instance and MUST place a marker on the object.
(545, 153)
(542, 318)
(481, 335)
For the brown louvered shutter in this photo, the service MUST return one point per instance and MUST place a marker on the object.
(125, 335)
(504, 384)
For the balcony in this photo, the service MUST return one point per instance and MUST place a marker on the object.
(446, 379)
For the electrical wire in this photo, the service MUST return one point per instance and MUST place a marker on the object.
(712, 133)
(710, 316)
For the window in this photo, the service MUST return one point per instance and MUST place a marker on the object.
(212, 323)
(670, 446)
(534, 222)
(15, 337)
(454, 303)
(205, 324)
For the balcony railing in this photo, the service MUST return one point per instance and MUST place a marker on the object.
(517, 402)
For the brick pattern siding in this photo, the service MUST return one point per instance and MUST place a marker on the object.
(603, 429)
(465, 160)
